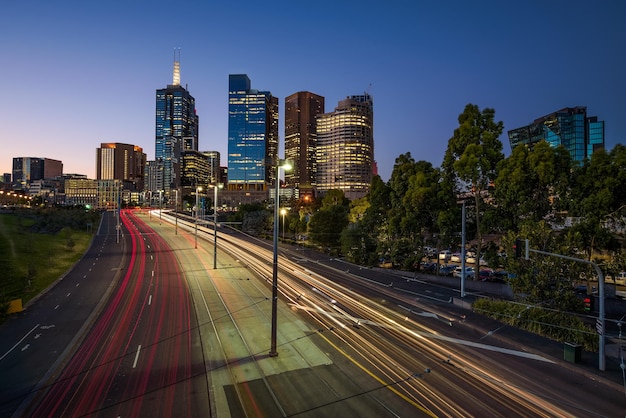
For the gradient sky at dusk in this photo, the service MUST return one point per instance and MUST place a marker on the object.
(78, 73)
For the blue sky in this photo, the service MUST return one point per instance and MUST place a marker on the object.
(75, 74)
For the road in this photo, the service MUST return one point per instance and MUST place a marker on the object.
(178, 337)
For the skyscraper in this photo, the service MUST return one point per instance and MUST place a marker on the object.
(252, 135)
(124, 162)
(570, 127)
(176, 129)
(345, 147)
(301, 111)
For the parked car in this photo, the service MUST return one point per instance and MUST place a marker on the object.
(485, 275)
(446, 270)
(619, 278)
(428, 267)
(460, 272)
(455, 258)
(445, 255)
(472, 260)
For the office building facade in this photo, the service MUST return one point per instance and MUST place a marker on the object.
(252, 136)
(345, 147)
(570, 127)
(301, 112)
(176, 130)
(124, 162)
(28, 169)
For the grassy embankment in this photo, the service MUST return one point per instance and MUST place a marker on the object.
(30, 262)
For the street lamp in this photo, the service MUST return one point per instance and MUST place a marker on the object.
(198, 190)
(160, 204)
(176, 211)
(215, 187)
(283, 211)
(285, 165)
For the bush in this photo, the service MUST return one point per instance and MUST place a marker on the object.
(558, 326)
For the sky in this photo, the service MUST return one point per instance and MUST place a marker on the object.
(75, 73)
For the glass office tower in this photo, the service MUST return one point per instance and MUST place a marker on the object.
(176, 130)
(570, 127)
(252, 135)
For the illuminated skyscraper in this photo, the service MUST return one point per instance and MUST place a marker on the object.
(301, 111)
(176, 129)
(570, 127)
(345, 147)
(124, 162)
(252, 135)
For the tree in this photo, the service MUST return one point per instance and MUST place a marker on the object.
(472, 156)
(326, 225)
(530, 184)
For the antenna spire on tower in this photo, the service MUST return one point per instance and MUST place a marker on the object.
(176, 78)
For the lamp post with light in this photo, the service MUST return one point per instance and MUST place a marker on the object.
(283, 211)
(215, 187)
(198, 190)
(285, 165)
(176, 211)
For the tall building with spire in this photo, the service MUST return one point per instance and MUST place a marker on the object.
(301, 111)
(345, 147)
(176, 129)
(252, 136)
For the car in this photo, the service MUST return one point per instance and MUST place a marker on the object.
(455, 258)
(428, 266)
(445, 255)
(619, 278)
(446, 270)
(459, 272)
(472, 260)
(485, 275)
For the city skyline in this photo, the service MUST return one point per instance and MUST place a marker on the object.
(78, 75)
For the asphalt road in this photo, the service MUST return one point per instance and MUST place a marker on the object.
(35, 343)
(179, 338)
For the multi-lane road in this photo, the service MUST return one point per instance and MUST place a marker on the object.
(175, 337)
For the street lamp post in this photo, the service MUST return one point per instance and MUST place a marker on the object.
(215, 187)
(198, 190)
(286, 166)
(160, 205)
(176, 211)
(283, 211)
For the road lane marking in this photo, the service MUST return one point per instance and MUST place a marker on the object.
(137, 356)
(56, 307)
(68, 295)
(19, 342)
(150, 300)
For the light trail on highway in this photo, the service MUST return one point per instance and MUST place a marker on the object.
(464, 378)
(128, 352)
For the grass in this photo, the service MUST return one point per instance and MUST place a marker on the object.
(30, 261)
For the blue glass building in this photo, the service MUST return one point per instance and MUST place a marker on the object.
(252, 135)
(570, 127)
(176, 130)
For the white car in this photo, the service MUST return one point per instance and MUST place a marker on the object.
(458, 272)
(619, 278)
(455, 258)
(445, 255)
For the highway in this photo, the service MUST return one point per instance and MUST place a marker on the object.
(179, 338)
